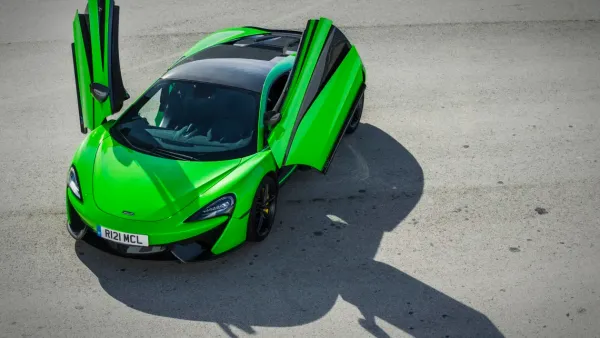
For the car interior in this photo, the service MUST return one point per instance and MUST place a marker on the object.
(222, 114)
(204, 115)
(276, 91)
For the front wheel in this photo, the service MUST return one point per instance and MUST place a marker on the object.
(262, 214)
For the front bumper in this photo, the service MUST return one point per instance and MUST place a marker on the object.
(198, 241)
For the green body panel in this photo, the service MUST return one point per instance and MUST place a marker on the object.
(83, 78)
(318, 132)
(242, 179)
(281, 136)
(95, 58)
(84, 159)
(244, 184)
(123, 176)
(314, 113)
(234, 235)
(167, 231)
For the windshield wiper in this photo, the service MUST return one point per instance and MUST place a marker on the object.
(156, 150)
(174, 154)
(124, 138)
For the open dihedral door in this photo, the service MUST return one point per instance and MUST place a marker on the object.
(95, 48)
(320, 98)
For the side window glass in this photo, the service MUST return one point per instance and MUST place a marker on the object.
(274, 94)
(276, 91)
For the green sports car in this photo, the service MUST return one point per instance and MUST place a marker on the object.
(192, 168)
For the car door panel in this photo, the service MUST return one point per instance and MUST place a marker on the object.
(98, 81)
(318, 132)
(328, 76)
(293, 94)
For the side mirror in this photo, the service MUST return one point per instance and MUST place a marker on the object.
(272, 118)
(99, 91)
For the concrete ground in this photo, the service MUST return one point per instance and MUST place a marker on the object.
(466, 205)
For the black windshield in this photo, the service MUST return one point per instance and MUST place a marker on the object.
(191, 121)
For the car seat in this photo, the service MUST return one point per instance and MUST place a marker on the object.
(235, 119)
(173, 109)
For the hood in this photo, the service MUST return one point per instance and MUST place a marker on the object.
(153, 188)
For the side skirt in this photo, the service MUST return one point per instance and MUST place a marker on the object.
(285, 173)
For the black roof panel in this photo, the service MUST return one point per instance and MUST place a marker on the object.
(244, 63)
(249, 74)
(231, 51)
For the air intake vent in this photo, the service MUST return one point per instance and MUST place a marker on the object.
(252, 40)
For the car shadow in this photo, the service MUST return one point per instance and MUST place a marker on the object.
(329, 229)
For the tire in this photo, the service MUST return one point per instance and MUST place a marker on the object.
(355, 122)
(261, 219)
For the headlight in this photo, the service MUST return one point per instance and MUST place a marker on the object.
(73, 183)
(219, 207)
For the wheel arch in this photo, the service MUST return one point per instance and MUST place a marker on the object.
(273, 175)
(244, 181)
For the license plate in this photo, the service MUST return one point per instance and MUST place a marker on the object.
(122, 237)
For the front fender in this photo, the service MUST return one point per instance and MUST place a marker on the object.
(84, 157)
(243, 182)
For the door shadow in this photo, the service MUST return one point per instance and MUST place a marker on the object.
(328, 231)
